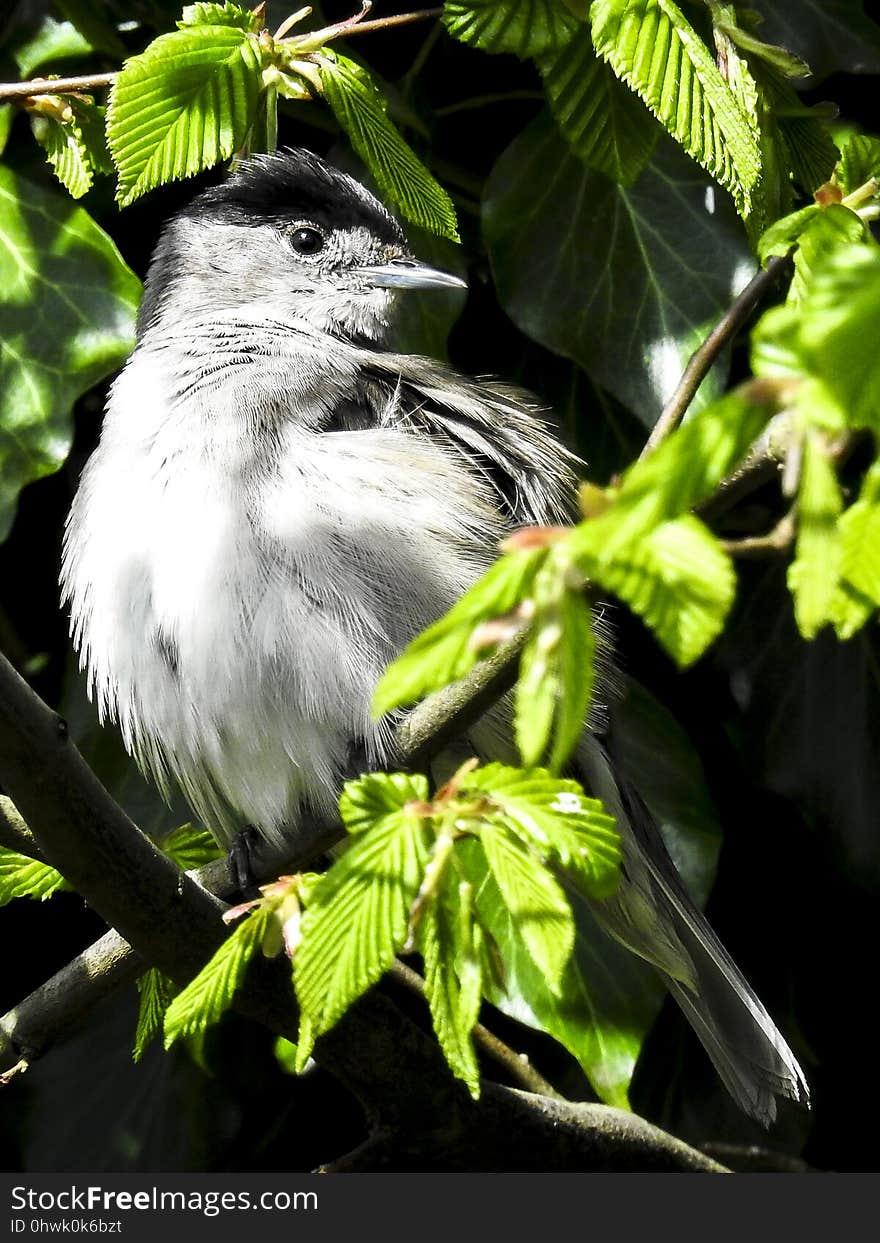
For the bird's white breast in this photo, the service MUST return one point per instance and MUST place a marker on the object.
(235, 595)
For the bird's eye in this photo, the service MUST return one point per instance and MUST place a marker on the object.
(307, 241)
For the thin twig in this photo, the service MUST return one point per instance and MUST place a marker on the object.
(396, 19)
(56, 86)
(703, 358)
(516, 1064)
(776, 541)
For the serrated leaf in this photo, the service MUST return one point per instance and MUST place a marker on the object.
(67, 314)
(559, 821)
(449, 942)
(400, 175)
(66, 151)
(186, 102)
(555, 684)
(366, 800)
(859, 529)
(444, 652)
(155, 993)
(784, 233)
(23, 877)
(536, 902)
(655, 50)
(608, 998)
(626, 281)
(859, 163)
(815, 571)
(190, 846)
(219, 15)
(835, 226)
(357, 919)
(527, 28)
(811, 151)
(681, 472)
(207, 997)
(603, 121)
(678, 579)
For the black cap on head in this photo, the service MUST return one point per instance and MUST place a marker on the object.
(294, 184)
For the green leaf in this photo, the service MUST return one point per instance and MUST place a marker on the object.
(681, 472)
(286, 1054)
(219, 15)
(812, 153)
(814, 573)
(527, 28)
(859, 163)
(66, 151)
(357, 918)
(608, 999)
(450, 944)
(207, 997)
(445, 652)
(626, 281)
(400, 175)
(778, 57)
(90, 19)
(655, 50)
(190, 846)
(678, 579)
(536, 902)
(156, 992)
(830, 35)
(23, 877)
(835, 227)
(7, 114)
(555, 684)
(605, 124)
(367, 799)
(558, 821)
(860, 539)
(52, 41)
(67, 314)
(831, 334)
(784, 233)
(186, 102)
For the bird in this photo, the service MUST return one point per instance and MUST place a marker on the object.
(280, 501)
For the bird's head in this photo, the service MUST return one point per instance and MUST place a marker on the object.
(292, 236)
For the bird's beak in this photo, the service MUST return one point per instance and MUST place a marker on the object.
(410, 274)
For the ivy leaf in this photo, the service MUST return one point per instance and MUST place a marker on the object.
(182, 105)
(678, 579)
(605, 124)
(445, 652)
(655, 50)
(67, 314)
(450, 942)
(832, 36)
(558, 821)
(155, 992)
(626, 281)
(357, 917)
(535, 900)
(51, 41)
(527, 28)
(190, 846)
(555, 683)
(23, 877)
(207, 997)
(400, 175)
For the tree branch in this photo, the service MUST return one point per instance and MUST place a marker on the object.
(703, 358)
